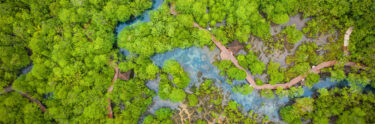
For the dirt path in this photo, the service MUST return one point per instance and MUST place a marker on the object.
(227, 55)
(109, 107)
(41, 106)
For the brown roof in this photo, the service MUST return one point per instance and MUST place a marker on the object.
(125, 75)
(235, 46)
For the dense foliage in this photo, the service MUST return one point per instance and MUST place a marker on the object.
(278, 11)
(346, 105)
(276, 74)
(71, 44)
(292, 34)
(180, 78)
(243, 89)
(162, 116)
(131, 99)
(251, 62)
(73, 49)
(208, 104)
(228, 68)
(172, 80)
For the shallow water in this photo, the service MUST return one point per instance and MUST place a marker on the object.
(323, 83)
(26, 69)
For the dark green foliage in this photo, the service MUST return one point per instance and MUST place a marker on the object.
(234, 115)
(276, 75)
(136, 96)
(311, 79)
(163, 33)
(303, 60)
(358, 79)
(236, 73)
(16, 29)
(228, 68)
(162, 116)
(292, 34)
(290, 115)
(243, 89)
(163, 113)
(206, 88)
(193, 100)
(305, 53)
(258, 81)
(338, 74)
(177, 95)
(224, 65)
(332, 16)
(180, 78)
(242, 18)
(267, 93)
(201, 122)
(165, 87)
(15, 108)
(251, 62)
(242, 60)
(72, 46)
(346, 104)
(151, 71)
(278, 10)
(353, 115)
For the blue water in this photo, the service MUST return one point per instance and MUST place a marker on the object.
(193, 60)
(324, 83)
(145, 17)
(27, 69)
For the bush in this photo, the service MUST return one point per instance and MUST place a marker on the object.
(177, 95)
